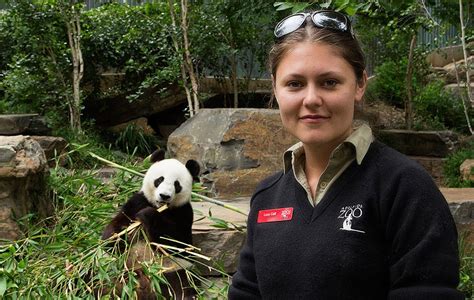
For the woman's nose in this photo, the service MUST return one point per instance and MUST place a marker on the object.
(312, 96)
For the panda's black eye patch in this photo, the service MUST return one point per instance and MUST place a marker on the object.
(177, 187)
(158, 181)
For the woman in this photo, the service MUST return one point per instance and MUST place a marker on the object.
(348, 218)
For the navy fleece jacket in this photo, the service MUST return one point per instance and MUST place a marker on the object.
(383, 231)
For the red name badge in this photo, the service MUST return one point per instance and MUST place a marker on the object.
(275, 215)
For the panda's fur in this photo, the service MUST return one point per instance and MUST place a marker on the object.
(167, 181)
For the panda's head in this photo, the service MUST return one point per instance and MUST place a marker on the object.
(169, 181)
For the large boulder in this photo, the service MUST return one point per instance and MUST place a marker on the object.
(26, 124)
(53, 147)
(461, 204)
(238, 147)
(420, 143)
(23, 183)
(222, 246)
(443, 56)
(467, 170)
(449, 70)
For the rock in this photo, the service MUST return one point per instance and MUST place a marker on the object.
(27, 124)
(118, 109)
(443, 56)
(420, 143)
(239, 183)
(380, 115)
(248, 142)
(52, 146)
(106, 174)
(434, 166)
(23, 183)
(461, 204)
(222, 246)
(450, 70)
(141, 123)
(20, 156)
(455, 90)
(467, 169)
(463, 214)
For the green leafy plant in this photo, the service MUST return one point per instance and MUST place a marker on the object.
(389, 83)
(65, 257)
(434, 102)
(133, 41)
(466, 256)
(35, 64)
(451, 166)
(134, 140)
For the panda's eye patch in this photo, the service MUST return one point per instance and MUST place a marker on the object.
(177, 186)
(158, 181)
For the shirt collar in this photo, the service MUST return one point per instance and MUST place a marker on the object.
(360, 138)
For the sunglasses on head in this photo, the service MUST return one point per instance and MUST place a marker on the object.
(321, 19)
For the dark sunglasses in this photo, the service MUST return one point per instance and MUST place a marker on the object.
(321, 19)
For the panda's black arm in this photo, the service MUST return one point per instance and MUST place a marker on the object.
(175, 223)
(126, 215)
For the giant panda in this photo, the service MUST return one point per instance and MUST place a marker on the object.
(169, 182)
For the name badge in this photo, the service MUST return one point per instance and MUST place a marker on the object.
(275, 215)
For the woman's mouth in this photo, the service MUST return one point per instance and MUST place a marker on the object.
(314, 118)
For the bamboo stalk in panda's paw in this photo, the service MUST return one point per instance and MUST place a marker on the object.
(136, 224)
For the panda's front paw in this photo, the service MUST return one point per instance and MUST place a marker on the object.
(147, 214)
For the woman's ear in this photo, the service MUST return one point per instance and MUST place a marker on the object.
(360, 88)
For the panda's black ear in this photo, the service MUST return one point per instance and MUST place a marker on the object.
(193, 168)
(157, 155)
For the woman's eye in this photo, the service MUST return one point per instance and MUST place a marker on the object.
(330, 83)
(294, 84)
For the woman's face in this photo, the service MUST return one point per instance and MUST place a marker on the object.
(316, 90)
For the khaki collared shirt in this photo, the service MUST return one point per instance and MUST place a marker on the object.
(353, 148)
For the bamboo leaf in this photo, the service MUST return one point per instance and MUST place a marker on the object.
(3, 285)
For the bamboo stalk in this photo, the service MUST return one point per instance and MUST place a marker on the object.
(112, 164)
(217, 202)
(182, 250)
(134, 225)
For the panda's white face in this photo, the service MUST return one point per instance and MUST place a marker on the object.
(167, 181)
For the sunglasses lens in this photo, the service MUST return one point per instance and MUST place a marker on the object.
(329, 19)
(289, 24)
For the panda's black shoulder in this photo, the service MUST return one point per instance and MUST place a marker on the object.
(135, 203)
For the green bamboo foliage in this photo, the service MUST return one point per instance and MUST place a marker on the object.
(63, 257)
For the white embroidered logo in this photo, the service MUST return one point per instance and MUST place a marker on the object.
(285, 213)
(348, 213)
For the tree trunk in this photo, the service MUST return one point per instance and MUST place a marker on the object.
(177, 48)
(464, 49)
(234, 80)
(74, 38)
(187, 55)
(464, 102)
(409, 86)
